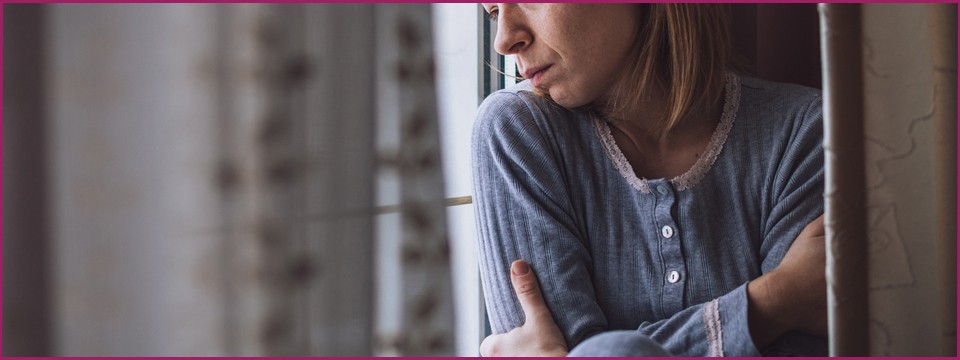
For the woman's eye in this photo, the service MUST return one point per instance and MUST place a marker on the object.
(493, 14)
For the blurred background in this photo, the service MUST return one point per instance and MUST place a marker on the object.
(295, 179)
(229, 179)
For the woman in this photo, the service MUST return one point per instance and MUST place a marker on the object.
(666, 205)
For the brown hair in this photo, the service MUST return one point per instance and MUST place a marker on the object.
(683, 52)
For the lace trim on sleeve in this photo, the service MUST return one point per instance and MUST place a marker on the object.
(711, 320)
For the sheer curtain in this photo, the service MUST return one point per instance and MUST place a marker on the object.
(207, 181)
(891, 123)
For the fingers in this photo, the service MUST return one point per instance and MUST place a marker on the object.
(528, 292)
(539, 335)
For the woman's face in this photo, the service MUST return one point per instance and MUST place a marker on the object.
(573, 52)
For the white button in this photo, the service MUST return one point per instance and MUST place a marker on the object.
(673, 277)
(667, 232)
(662, 189)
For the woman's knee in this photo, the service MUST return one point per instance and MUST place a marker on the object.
(619, 343)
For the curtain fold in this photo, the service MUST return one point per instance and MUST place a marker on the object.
(903, 66)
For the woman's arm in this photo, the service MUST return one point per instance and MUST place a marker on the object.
(524, 211)
(793, 296)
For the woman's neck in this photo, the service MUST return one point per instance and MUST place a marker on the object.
(655, 153)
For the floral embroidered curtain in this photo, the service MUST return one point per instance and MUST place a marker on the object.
(209, 180)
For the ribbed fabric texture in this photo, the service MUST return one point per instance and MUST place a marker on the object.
(547, 192)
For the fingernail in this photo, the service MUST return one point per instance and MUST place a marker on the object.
(520, 267)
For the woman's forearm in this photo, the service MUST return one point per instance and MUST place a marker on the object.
(769, 313)
(794, 295)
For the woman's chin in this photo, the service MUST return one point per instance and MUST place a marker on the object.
(566, 101)
(560, 97)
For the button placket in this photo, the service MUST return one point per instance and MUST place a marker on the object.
(670, 247)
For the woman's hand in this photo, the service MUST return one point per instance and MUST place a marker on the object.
(539, 336)
(794, 295)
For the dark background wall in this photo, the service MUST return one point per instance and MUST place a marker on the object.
(26, 329)
(780, 42)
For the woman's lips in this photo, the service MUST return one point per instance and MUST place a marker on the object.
(536, 74)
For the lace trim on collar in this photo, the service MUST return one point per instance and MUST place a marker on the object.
(690, 178)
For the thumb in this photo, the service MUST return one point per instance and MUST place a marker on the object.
(528, 292)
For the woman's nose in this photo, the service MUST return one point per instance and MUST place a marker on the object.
(513, 35)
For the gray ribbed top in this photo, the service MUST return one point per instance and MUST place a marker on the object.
(667, 257)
